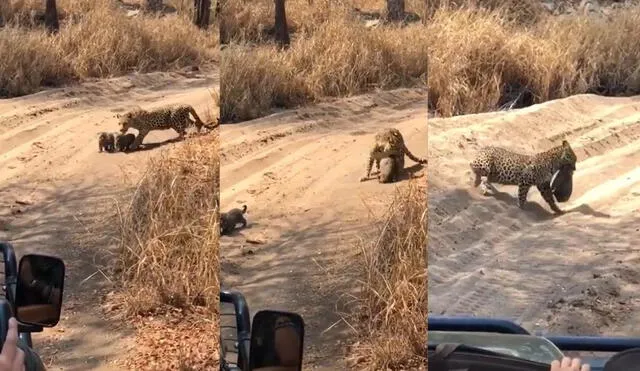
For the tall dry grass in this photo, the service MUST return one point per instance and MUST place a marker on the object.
(480, 60)
(481, 55)
(96, 39)
(392, 312)
(169, 263)
(332, 54)
(170, 231)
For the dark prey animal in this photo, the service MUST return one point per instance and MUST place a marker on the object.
(562, 183)
(390, 168)
(106, 141)
(124, 142)
(230, 219)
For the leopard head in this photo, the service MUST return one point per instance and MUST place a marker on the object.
(567, 156)
(125, 121)
(129, 119)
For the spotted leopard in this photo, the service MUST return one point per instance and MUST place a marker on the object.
(499, 165)
(388, 142)
(174, 117)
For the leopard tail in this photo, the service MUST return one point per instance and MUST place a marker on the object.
(199, 122)
(212, 126)
(412, 157)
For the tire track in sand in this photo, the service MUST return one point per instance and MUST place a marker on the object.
(298, 172)
(488, 258)
(49, 158)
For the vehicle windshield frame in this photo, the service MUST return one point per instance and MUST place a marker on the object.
(508, 344)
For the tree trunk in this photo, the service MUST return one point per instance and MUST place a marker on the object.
(51, 16)
(216, 10)
(282, 31)
(154, 5)
(202, 13)
(395, 10)
(221, 18)
(3, 12)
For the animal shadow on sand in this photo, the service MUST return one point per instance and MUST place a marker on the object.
(539, 213)
(150, 146)
(406, 174)
(238, 230)
(588, 210)
(409, 172)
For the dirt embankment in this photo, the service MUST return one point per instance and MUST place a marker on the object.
(573, 273)
(58, 194)
(298, 173)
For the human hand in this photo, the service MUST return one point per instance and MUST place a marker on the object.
(287, 343)
(569, 364)
(12, 357)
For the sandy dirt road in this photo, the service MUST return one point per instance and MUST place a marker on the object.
(49, 162)
(572, 274)
(298, 173)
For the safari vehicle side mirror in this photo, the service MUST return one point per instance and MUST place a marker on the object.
(39, 290)
(276, 341)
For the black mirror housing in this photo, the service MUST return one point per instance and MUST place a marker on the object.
(277, 340)
(39, 290)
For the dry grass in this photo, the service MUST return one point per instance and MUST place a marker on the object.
(176, 342)
(170, 231)
(480, 60)
(483, 54)
(169, 251)
(96, 39)
(393, 307)
(332, 54)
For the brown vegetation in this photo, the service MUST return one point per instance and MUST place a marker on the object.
(483, 54)
(332, 53)
(96, 39)
(481, 60)
(169, 255)
(392, 313)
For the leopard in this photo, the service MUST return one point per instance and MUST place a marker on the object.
(230, 219)
(106, 142)
(499, 165)
(388, 142)
(390, 168)
(174, 117)
(124, 141)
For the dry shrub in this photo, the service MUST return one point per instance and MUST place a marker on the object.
(250, 85)
(340, 58)
(98, 40)
(143, 44)
(170, 231)
(479, 58)
(177, 341)
(30, 13)
(33, 62)
(525, 12)
(393, 307)
(483, 54)
(169, 258)
(247, 21)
